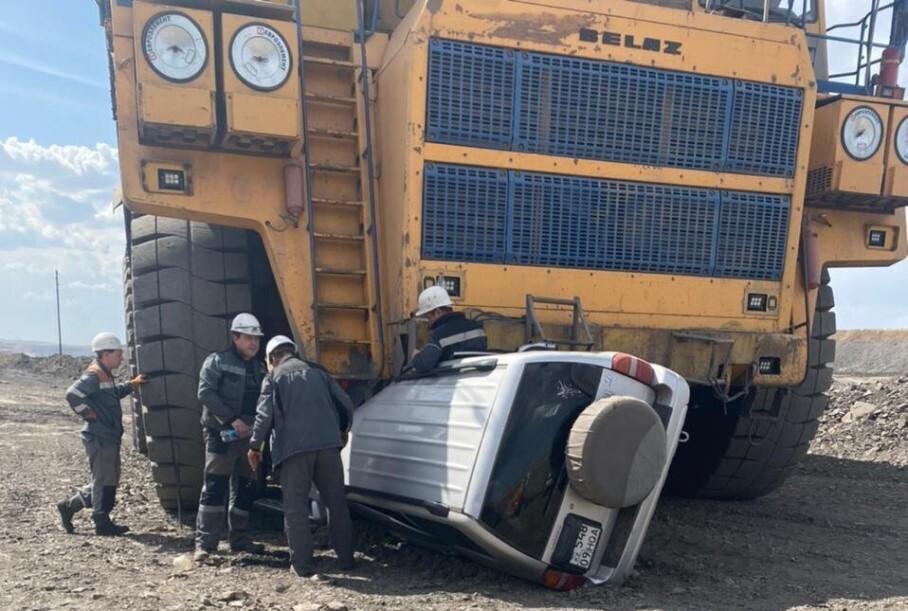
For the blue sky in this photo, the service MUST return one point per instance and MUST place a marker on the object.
(58, 168)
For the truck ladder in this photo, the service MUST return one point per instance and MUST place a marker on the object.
(340, 204)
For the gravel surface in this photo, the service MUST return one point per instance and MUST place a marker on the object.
(834, 537)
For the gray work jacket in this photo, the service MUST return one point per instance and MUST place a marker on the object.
(222, 384)
(97, 390)
(303, 409)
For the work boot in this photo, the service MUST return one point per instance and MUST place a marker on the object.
(301, 571)
(201, 555)
(106, 528)
(66, 516)
(242, 545)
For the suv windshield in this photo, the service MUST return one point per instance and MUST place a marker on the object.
(785, 11)
(528, 478)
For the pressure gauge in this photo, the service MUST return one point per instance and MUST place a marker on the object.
(901, 140)
(862, 133)
(175, 47)
(260, 57)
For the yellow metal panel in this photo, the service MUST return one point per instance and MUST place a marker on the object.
(258, 114)
(334, 15)
(858, 177)
(177, 106)
(638, 300)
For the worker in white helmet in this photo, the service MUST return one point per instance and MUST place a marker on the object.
(95, 397)
(307, 415)
(449, 331)
(229, 385)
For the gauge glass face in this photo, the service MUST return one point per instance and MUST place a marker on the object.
(862, 133)
(175, 47)
(260, 57)
(901, 140)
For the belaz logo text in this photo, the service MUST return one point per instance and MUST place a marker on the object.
(615, 39)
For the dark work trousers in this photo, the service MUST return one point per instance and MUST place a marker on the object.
(297, 474)
(104, 464)
(225, 468)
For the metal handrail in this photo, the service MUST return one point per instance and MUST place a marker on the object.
(865, 43)
(310, 223)
(860, 21)
(370, 174)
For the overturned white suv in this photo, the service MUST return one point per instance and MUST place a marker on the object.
(547, 465)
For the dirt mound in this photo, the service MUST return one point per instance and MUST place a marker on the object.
(65, 366)
(867, 419)
(872, 352)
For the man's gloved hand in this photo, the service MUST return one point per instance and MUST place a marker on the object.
(243, 430)
(138, 381)
(255, 459)
(89, 414)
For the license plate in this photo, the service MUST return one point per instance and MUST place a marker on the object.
(585, 546)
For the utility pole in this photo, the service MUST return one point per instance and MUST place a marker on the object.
(59, 326)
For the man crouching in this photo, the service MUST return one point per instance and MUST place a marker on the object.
(96, 398)
(308, 416)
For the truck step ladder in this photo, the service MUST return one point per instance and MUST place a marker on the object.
(337, 151)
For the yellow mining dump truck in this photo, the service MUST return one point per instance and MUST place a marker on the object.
(666, 178)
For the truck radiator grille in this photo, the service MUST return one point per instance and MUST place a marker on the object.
(491, 97)
(495, 216)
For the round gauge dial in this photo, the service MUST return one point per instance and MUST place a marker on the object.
(175, 47)
(901, 140)
(260, 57)
(862, 133)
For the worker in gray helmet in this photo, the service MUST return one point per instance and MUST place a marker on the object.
(95, 397)
(307, 416)
(229, 384)
(449, 331)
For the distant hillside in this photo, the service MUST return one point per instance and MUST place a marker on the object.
(40, 348)
(872, 352)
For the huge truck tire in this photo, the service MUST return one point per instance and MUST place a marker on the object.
(188, 280)
(139, 440)
(747, 448)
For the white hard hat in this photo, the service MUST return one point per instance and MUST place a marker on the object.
(433, 298)
(247, 324)
(276, 342)
(106, 341)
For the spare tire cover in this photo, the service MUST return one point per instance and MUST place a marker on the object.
(616, 451)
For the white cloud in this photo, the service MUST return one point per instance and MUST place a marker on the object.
(55, 215)
(102, 159)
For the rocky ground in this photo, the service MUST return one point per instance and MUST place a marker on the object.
(834, 537)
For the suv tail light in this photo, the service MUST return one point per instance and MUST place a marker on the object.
(556, 580)
(633, 367)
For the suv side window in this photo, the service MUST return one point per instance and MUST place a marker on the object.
(528, 477)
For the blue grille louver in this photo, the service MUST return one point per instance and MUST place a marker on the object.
(567, 106)
(470, 91)
(485, 215)
(465, 213)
